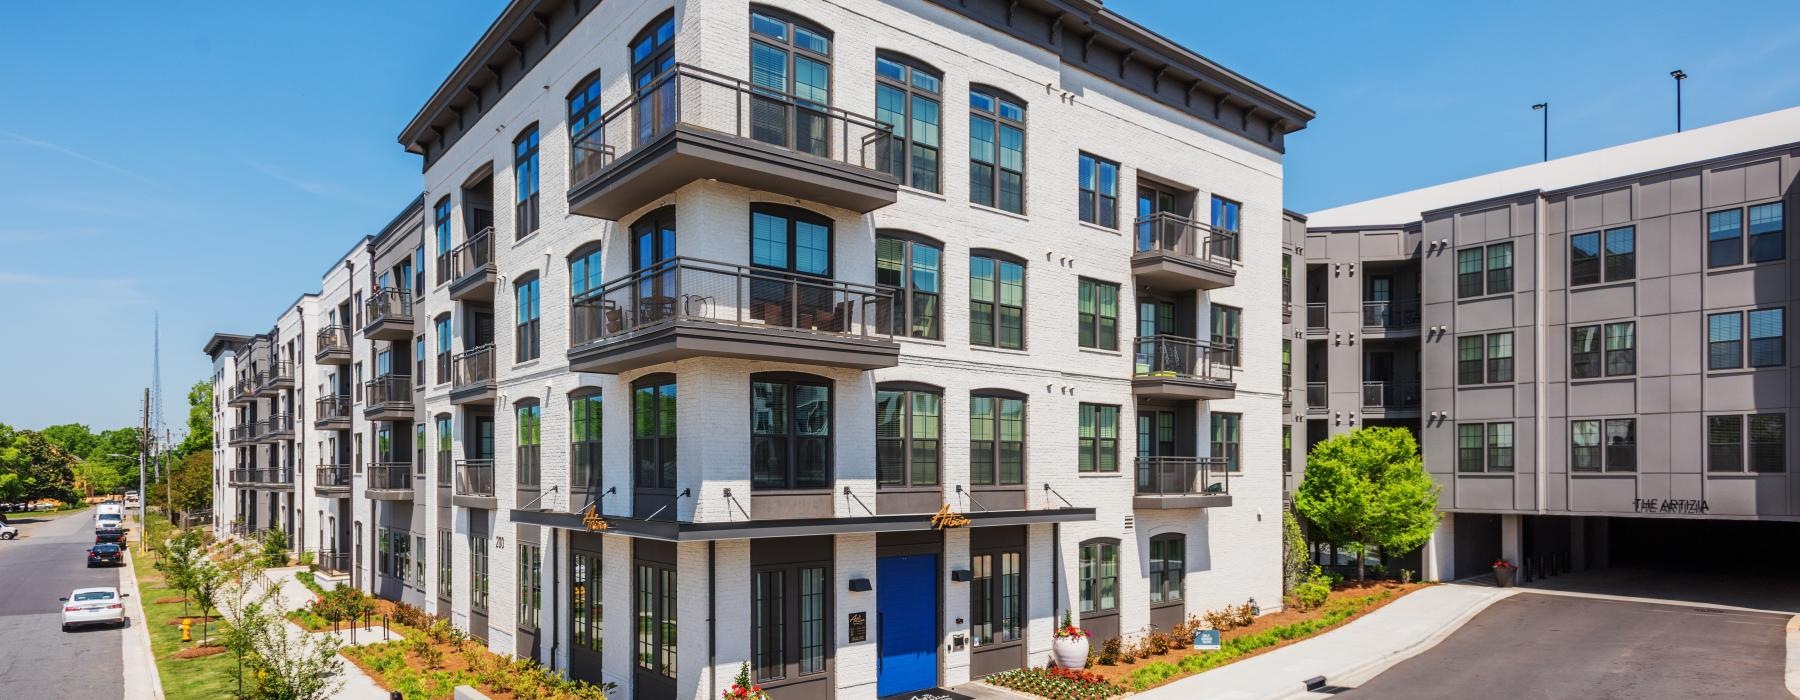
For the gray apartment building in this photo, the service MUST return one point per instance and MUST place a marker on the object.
(1592, 350)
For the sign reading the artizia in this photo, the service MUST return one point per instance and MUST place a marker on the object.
(1673, 506)
(1206, 640)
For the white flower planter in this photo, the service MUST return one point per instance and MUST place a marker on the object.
(1069, 652)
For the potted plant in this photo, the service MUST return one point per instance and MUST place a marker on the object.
(1069, 648)
(741, 687)
(1505, 573)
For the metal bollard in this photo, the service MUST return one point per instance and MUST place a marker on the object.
(385, 626)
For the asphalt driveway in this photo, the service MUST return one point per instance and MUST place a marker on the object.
(1537, 646)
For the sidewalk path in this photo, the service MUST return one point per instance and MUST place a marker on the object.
(1345, 656)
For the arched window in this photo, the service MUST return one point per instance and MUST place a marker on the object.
(911, 267)
(791, 57)
(790, 431)
(996, 438)
(790, 239)
(1099, 576)
(585, 268)
(525, 183)
(530, 426)
(653, 432)
(441, 227)
(1168, 568)
(908, 97)
(652, 80)
(909, 427)
(996, 299)
(996, 149)
(587, 133)
(584, 441)
(526, 309)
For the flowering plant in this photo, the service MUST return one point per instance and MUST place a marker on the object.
(1068, 630)
(742, 689)
(1503, 564)
(1059, 683)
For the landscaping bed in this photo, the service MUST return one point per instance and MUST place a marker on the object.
(430, 665)
(186, 673)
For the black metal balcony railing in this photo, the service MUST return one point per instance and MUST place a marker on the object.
(278, 425)
(473, 255)
(687, 289)
(1164, 232)
(1177, 357)
(698, 97)
(263, 475)
(333, 561)
(332, 476)
(473, 367)
(333, 407)
(475, 477)
(1316, 393)
(241, 433)
(1180, 476)
(1390, 315)
(332, 339)
(1390, 394)
(394, 390)
(1317, 318)
(278, 372)
(389, 476)
(391, 304)
(1287, 297)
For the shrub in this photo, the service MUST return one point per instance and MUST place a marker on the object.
(1219, 619)
(274, 548)
(344, 604)
(1153, 673)
(1111, 651)
(1057, 683)
(1311, 594)
(1406, 576)
(1141, 648)
(1159, 643)
(411, 616)
(1243, 615)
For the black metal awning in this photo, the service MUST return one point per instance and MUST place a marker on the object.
(672, 531)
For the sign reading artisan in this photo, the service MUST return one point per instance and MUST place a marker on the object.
(1678, 506)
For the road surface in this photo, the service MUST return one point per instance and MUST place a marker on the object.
(38, 659)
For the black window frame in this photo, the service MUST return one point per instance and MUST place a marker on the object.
(1093, 198)
(1229, 445)
(530, 561)
(587, 420)
(660, 449)
(1607, 455)
(1091, 325)
(1602, 361)
(996, 299)
(778, 622)
(587, 603)
(1487, 278)
(1167, 576)
(651, 54)
(996, 171)
(792, 217)
(908, 441)
(1728, 353)
(1777, 234)
(908, 299)
(790, 442)
(904, 144)
(526, 171)
(446, 238)
(991, 621)
(794, 109)
(528, 456)
(1095, 449)
(1091, 578)
(1756, 344)
(1485, 455)
(1742, 247)
(528, 332)
(1500, 368)
(586, 110)
(996, 449)
(1228, 339)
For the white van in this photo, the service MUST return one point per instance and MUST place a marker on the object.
(112, 508)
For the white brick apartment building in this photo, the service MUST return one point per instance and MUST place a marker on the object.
(717, 304)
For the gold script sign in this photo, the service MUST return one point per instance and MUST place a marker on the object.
(945, 518)
(592, 520)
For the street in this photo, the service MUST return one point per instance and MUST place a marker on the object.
(39, 660)
(1552, 647)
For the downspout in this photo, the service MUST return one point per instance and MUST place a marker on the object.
(1055, 573)
(712, 669)
(555, 584)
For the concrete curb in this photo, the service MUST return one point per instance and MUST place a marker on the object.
(1793, 655)
(142, 680)
(1360, 674)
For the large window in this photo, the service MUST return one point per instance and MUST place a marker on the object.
(586, 600)
(444, 339)
(996, 150)
(1099, 191)
(1226, 435)
(912, 269)
(652, 59)
(996, 597)
(530, 443)
(1098, 315)
(1725, 333)
(1725, 440)
(997, 440)
(653, 432)
(1228, 333)
(526, 342)
(908, 97)
(996, 301)
(787, 57)
(1725, 241)
(791, 240)
(1484, 447)
(586, 123)
(657, 643)
(790, 432)
(1484, 270)
(1603, 350)
(525, 183)
(531, 585)
(441, 224)
(585, 268)
(445, 436)
(1484, 358)
(584, 441)
(444, 572)
(1099, 576)
(1609, 256)
(1608, 445)
(788, 613)
(1168, 567)
(1098, 438)
(1227, 218)
(478, 572)
(1767, 234)
(908, 436)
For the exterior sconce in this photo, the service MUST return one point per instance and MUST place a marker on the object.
(1353, 418)
(1352, 268)
(860, 585)
(1337, 418)
(961, 575)
(1352, 337)
(1255, 610)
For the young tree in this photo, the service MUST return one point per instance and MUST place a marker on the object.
(208, 579)
(297, 666)
(1369, 487)
(177, 560)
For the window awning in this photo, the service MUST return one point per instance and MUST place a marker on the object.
(672, 531)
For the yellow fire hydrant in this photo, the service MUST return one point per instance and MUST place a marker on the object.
(187, 623)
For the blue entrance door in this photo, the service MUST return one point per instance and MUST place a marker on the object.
(906, 606)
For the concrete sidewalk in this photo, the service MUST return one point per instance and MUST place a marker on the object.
(1345, 656)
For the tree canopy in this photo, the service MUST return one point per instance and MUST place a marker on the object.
(1369, 488)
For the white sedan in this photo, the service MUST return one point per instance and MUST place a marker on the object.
(93, 606)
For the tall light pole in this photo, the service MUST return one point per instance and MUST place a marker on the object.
(141, 492)
(1545, 108)
(1679, 76)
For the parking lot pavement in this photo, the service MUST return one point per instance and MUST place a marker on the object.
(1554, 646)
(39, 660)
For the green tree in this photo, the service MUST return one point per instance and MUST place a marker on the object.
(208, 580)
(189, 484)
(199, 436)
(43, 467)
(12, 488)
(1294, 559)
(96, 477)
(1369, 488)
(119, 441)
(75, 438)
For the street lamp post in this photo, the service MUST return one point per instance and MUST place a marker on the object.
(1679, 76)
(1545, 108)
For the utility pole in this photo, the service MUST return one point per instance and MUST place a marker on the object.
(1545, 108)
(168, 472)
(143, 490)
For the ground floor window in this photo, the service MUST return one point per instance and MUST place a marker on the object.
(478, 573)
(443, 567)
(1167, 568)
(656, 619)
(419, 561)
(996, 604)
(788, 622)
(1099, 576)
(531, 561)
(584, 600)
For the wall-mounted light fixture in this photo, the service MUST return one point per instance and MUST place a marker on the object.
(961, 575)
(860, 585)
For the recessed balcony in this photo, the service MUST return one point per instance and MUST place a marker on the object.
(1178, 254)
(472, 268)
(472, 377)
(265, 477)
(388, 398)
(242, 392)
(684, 307)
(276, 428)
(388, 481)
(333, 345)
(1182, 369)
(475, 484)
(332, 412)
(279, 376)
(1391, 319)
(690, 124)
(332, 480)
(1391, 399)
(1182, 482)
(245, 434)
(388, 315)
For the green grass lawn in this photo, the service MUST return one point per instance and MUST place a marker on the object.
(205, 677)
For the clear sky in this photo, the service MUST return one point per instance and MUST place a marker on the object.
(209, 160)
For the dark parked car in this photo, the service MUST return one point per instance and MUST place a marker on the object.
(106, 555)
(110, 537)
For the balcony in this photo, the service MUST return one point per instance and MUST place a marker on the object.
(1182, 369)
(1316, 397)
(683, 307)
(265, 477)
(472, 377)
(389, 481)
(1318, 319)
(1391, 317)
(1182, 482)
(1178, 254)
(332, 480)
(1391, 397)
(277, 427)
(245, 434)
(475, 483)
(691, 123)
(243, 392)
(332, 561)
(333, 343)
(332, 412)
(279, 376)
(388, 315)
(472, 268)
(388, 398)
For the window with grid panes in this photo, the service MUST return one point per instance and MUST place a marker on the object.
(996, 440)
(1098, 437)
(1499, 357)
(1098, 315)
(996, 302)
(790, 432)
(1227, 333)
(1097, 195)
(585, 600)
(1168, 568)
(530, 442)
(996, 150)
(912, 270)
(908, 98)
(1225, 438)
(908, 437)
(1768, 337)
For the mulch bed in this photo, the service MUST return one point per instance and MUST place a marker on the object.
(197, 652)
(198, 620)
(169, 600)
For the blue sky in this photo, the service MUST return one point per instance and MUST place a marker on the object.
(209, 160)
